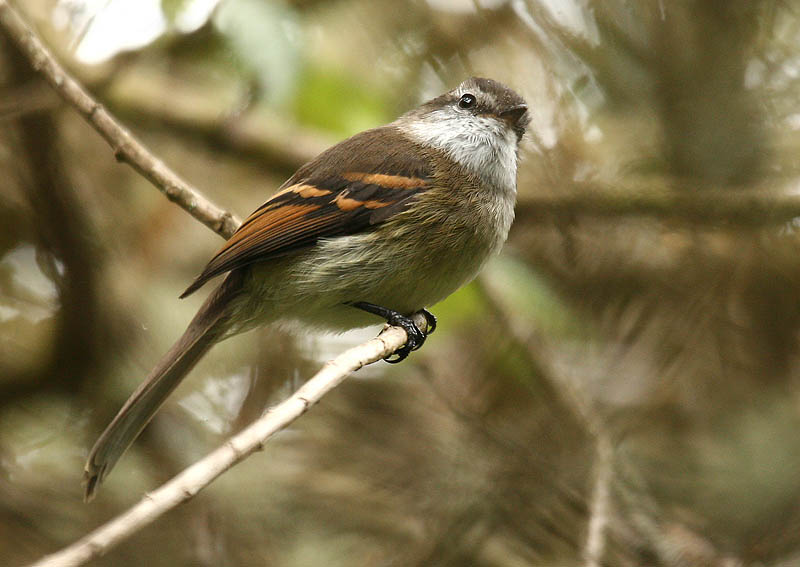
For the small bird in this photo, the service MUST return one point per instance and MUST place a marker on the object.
(381, 225)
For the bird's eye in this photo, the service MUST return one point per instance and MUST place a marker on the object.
(467, 101)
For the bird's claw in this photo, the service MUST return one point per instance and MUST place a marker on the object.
(416, 338)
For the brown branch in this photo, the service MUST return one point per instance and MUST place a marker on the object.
(268, 138)
(126, 147)
(62, 231)
(737, 207)
(600, 507)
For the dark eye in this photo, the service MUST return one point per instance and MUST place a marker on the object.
(467, 101)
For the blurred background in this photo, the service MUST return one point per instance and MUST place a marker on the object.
(621, 387)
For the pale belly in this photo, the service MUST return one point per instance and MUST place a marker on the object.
(315, 286)
(407, 263)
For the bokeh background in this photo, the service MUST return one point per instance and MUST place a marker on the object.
(621, 387)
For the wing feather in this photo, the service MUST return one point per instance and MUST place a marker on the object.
(326, 202)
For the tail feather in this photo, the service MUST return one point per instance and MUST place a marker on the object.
(207, 328)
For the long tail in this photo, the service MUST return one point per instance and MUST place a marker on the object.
(207, 328)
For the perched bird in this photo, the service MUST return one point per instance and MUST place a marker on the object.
(381, 225)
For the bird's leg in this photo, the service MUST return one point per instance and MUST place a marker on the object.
(416, 338)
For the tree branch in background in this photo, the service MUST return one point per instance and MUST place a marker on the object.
(126, 147)
(735, 207)
(63, 233)
(193, 479)
(600, 506)
(267, 137)
(570, 398)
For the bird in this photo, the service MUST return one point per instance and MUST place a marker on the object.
(380, 226)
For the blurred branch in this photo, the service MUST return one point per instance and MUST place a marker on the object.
(236, 449)
(28, 98)
(739, 207)
(540, 355)
(270, 138)
(64, 236)
(572, 399)
(126, 147)
(703, 206)
(600, 507)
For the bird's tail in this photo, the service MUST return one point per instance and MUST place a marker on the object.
(208, 327)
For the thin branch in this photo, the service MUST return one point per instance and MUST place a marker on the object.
(126, 147)
(536, 345)
(196, 477)
(269, 138)
(600, 507)
(740, 207)
(201, 474)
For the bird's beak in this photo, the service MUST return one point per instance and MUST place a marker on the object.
(517, 119)
(514, 114)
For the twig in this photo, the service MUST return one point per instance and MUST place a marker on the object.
(572, 398)
(269, 138)
(193, 479)
(599, 509)
(740, 208)
(126, 147)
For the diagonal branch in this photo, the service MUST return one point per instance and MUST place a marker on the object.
(188, 483)
(741, 208)
(193, 479)
(126, 147)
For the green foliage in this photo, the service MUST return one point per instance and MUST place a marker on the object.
(529, 296)
(265, 37)
(172, 8)
(333, 100)
(462, 307)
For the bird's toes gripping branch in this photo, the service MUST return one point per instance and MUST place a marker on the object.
(416, 338)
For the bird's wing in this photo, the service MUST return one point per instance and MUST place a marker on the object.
(348, 189)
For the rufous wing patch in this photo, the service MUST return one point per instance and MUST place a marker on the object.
(308, 209)
(306, 191)
(387, 181)
(347, 204)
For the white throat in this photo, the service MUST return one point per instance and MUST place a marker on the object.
(482, 144)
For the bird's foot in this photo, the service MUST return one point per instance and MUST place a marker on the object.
(416, 338)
